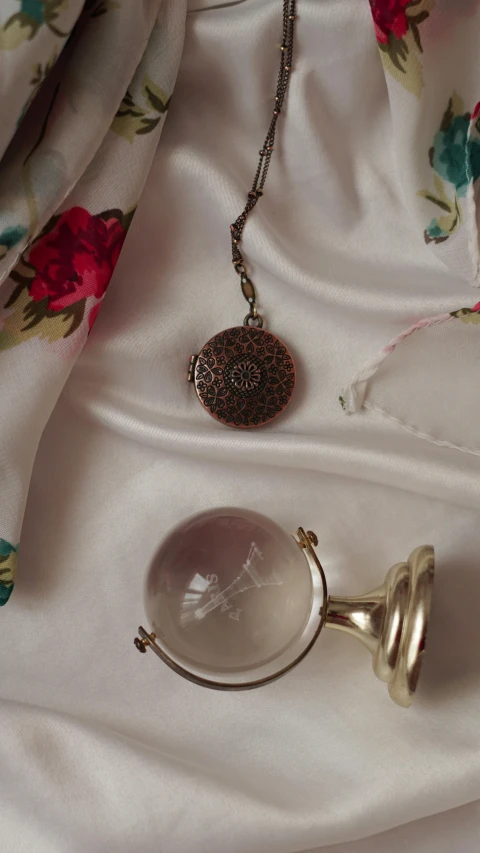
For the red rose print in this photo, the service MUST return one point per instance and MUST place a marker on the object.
(389, 17)
(76, 259)
(476, 307)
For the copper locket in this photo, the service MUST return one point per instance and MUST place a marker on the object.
(244, 376)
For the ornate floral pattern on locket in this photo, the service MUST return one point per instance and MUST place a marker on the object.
(244, 376)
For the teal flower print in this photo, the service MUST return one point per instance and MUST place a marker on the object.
(455, 161)
(35, 9)
(32, 16)
(453, 156)
(9, 238)
(8, 569)
(436, 232)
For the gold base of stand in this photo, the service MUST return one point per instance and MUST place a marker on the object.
(392, 622)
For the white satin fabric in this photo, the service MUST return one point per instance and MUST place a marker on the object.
(106, 750)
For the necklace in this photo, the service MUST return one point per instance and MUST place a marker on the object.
(245, 376)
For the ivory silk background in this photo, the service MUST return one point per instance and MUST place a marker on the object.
(102, 749)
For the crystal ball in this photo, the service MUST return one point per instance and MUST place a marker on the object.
(232, 599)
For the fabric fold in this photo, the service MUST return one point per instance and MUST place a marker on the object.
(69, 183)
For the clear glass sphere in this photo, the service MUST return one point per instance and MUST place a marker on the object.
(232, 598)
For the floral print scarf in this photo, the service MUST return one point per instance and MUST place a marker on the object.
(434, 96)
(84, 93)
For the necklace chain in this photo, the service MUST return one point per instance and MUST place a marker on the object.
(236, 229)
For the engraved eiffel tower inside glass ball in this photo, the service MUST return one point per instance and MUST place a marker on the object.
(234, 602)
(231, 598)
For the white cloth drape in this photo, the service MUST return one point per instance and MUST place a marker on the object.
(106, 750)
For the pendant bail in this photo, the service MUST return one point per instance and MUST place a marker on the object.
(254, 315)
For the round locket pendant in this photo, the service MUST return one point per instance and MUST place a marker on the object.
(244, 376)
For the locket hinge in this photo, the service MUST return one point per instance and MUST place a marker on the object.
(191, 368)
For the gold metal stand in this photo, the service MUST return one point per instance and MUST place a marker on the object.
(391, 622)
